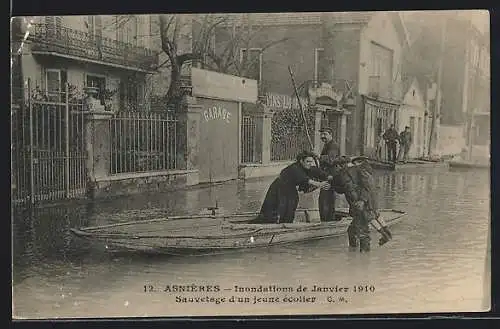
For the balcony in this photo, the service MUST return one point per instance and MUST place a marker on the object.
(76, 44)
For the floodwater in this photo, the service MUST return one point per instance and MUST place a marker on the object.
(438, 260)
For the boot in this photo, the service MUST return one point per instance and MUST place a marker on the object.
(353, 241)
(364, 244)
(386, 236)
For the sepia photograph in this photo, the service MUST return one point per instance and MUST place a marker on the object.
(250, 164)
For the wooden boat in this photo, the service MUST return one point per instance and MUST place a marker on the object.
(376, 164)
(218, 233)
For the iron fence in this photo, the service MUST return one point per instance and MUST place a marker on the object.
(48, 148)
(289, 134)
(144, 141)
(248, 139)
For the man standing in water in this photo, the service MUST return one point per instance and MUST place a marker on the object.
(356, 182)
(330, 151)
(391, 137)
(405, 141)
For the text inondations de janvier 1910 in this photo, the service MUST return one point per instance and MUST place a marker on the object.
(261, 294)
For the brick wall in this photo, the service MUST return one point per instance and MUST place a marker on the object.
(297, 51)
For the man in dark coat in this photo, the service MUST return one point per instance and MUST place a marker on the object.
(282, 197)
(405, 141)
(356, 183)
(391, 137)
(330, 151)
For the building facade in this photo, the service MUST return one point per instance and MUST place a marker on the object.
(413, 114)
(110, 53)
(345, 65)
(465, 82)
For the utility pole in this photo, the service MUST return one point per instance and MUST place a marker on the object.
(437, 106)
(470, 109)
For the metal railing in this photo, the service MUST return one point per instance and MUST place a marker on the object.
(248, 139)
(144, 141)
(86, 45)
(48, 149)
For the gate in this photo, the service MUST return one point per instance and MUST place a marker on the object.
(48, 146)
(289, 135)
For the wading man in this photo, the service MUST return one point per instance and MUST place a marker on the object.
(330, 151)
(355, 181)
(282, 197)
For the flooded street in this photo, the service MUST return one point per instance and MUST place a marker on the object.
(438, 260)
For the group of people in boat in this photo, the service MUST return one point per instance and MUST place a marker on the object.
(332, 173)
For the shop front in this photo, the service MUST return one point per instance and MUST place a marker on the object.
(377, 117)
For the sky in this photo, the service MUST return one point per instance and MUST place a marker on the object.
(480, 18)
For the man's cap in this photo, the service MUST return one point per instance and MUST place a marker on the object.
(326, 130)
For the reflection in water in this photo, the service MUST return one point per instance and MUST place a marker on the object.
(436, 261)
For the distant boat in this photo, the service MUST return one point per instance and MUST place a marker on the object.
(377, 164)
(209, 234)
(469, 164)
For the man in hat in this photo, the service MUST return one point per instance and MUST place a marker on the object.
(391, 138)
(355, 181)
(405, 141)
(330, 151)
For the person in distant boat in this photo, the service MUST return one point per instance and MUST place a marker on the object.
(331, 150)
(405, 142)
(355, 181)
(282, 197)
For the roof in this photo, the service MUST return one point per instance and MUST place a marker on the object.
(315, 18)
(299, 18)
(274, 19)
(422, 84)
(353, 17)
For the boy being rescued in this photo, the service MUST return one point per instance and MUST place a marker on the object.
(354, 179)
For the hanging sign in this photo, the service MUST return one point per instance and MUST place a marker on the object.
(284, 102)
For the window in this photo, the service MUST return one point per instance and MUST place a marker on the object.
(318, 56)
(380, 79)
(53, 25)
(95, 27)
(99, 82)
(127, 29)
(55, 81)
(323, 66)
(132, 91)
(251, 63)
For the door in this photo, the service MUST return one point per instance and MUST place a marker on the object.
(412, 131)
(218, 141)
(419, 138)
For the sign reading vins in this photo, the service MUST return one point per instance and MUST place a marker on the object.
(284, 101)
(217, 113)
